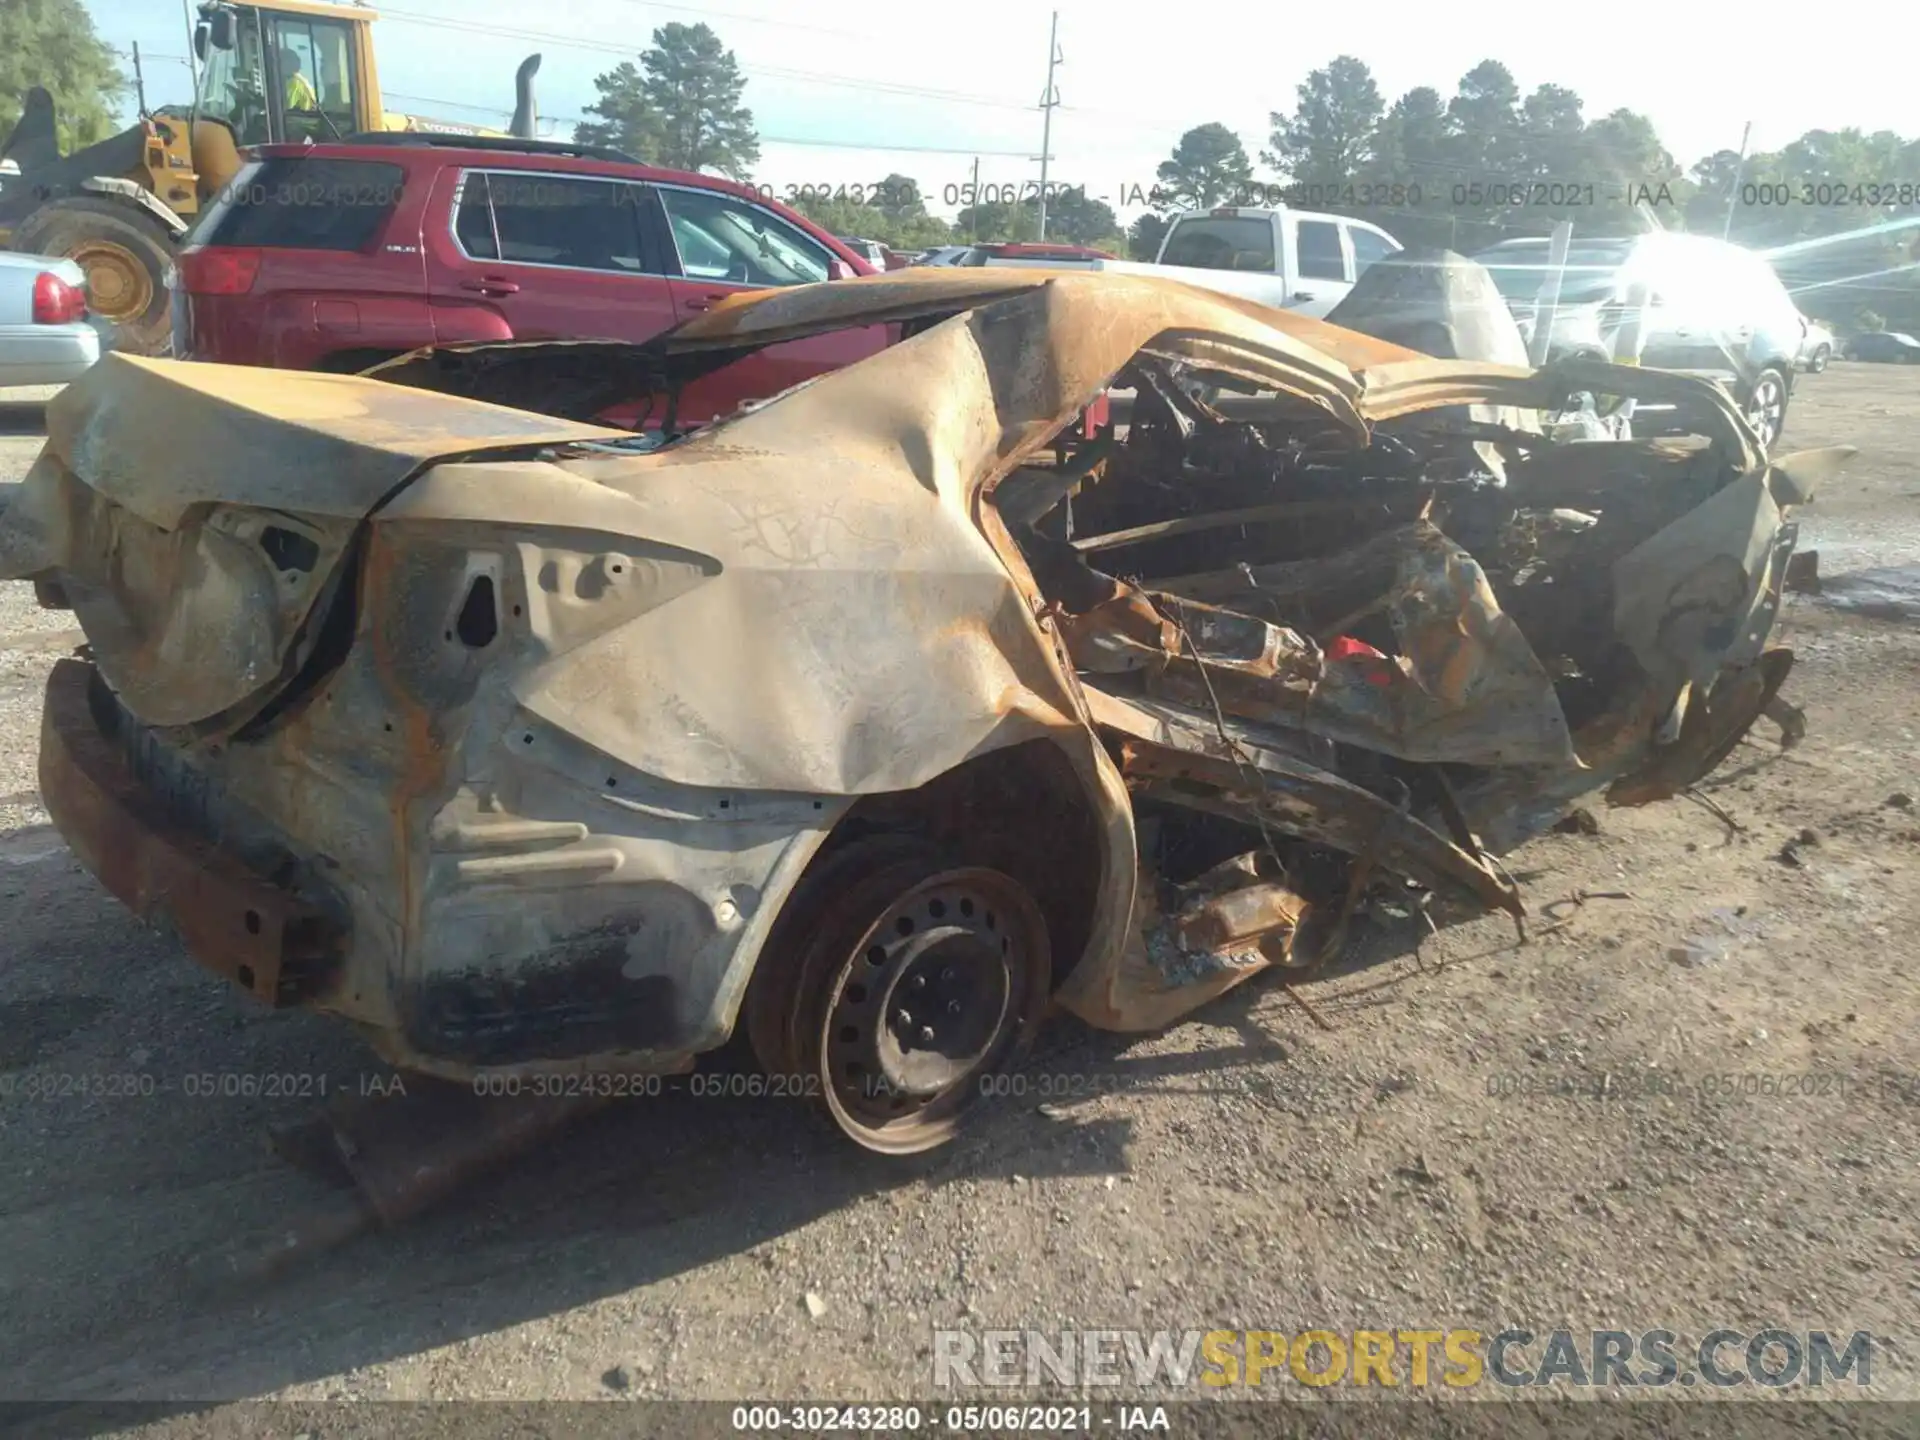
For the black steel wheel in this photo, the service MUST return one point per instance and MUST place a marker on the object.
(916, 979)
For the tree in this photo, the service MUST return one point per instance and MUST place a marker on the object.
(1209, 165)
(1327, 139)
(1714, 178)
(1483, 123)
(1410, 143)
(681, 107)
(52, 43)
(1623, 149)
(1072, 217)
(903, 227)
(900, 198)
(996, 220)
(693, 84)
(625, 120)
(1551, 141)
(1144, 236)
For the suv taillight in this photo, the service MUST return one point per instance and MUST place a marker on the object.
(55, 302)
(218, 271)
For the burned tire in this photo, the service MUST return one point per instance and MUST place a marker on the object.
(125, 253)
(899, 982)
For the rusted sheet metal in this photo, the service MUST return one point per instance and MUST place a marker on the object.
(565, 808)
(1323, 807)
(253, 933)
(785, 314)
(186, 623)
(1465, 686)
(1233, 906)
(1713, 725)
(161, 436)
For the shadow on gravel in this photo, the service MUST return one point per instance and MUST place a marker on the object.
(23, 417)
(126, 1208)
(123, 1205)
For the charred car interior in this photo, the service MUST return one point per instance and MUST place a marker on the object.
(876, 721)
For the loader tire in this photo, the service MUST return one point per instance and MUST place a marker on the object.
(125, 252)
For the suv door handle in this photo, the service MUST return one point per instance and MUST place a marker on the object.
(706, 302)
(492, 285)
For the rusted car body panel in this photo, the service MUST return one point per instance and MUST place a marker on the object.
(544, 736)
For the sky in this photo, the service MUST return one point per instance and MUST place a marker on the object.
(847, 94)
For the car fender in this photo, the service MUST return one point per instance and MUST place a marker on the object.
(138, 195)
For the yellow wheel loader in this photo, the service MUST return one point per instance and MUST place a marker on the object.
(271, 72)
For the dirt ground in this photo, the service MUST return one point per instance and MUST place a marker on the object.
(1410, 1164)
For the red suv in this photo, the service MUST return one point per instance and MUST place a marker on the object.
(338, 256)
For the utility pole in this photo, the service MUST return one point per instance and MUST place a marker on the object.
(1739, 169)
(139, 82)
(193, 60)
(974, 203)
(1047, 102)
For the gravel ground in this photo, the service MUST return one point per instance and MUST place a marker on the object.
(1403, 1164)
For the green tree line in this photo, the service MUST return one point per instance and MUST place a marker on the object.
(1838, 209)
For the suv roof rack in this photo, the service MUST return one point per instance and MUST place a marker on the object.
(507, 143)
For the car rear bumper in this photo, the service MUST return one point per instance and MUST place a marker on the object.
(232, 921)
(46, 354)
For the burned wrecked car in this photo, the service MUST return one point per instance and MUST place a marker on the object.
(877, 721)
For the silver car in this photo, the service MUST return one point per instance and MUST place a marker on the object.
(1816, 347)
(45, 335)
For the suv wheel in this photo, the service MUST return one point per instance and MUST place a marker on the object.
(1766, 406)
(1820, 359)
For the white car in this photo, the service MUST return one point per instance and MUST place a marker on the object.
(1299, 260)
(1816, 347)
(946, 255)
(45, 335)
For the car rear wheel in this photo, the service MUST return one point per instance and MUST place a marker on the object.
(900, 982)
(1820, 359)
(1766, 406)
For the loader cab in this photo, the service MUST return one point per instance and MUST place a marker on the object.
(286, 72)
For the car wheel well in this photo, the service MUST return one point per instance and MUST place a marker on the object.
(1023, 809)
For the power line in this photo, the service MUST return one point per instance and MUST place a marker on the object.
(800, 140)
(753, 20)
(613, 47)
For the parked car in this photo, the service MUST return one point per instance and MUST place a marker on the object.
(1816, 346)
(945, 255)
(537, 750)
(1712, 309)
(1038, 254)
(1295, 260)
(1287, 259)
(871, 251)
(46, 337)
(337, 256)
(1887, 347)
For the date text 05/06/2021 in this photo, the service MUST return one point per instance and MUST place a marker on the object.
(1359, 194)
(909, 1419)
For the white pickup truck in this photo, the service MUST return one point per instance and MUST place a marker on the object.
(1290, 259)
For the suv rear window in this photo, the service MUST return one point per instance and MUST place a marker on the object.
(1221, 243)
(304, 203)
